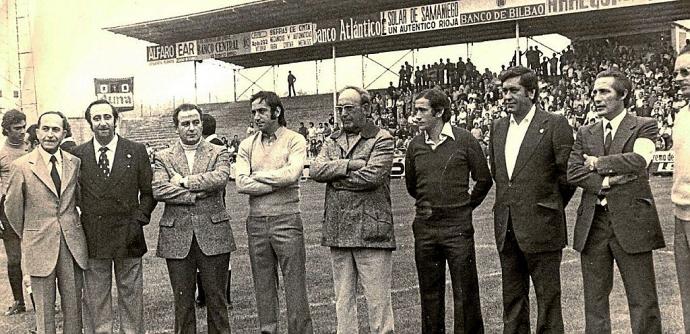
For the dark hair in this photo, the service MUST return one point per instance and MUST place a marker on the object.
(273, 102)
(87, 114)
(621, 83)
(185, 107)
(528, 79)
(208, 125)
(12, 117)
(65, 123)
(438, 100)
(31, 130)
(684, 50)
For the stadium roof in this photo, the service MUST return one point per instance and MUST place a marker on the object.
(274, 13)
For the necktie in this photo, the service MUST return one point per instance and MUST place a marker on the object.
(54, 174)
(608, 139)
(103, 163)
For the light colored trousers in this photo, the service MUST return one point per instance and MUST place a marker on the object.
(681, 249)
(372, 267)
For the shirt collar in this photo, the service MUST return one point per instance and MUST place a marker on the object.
(46, 156)
(615, 122)
(279, 132)
(112, 145)
(446, 132)
(528, 117)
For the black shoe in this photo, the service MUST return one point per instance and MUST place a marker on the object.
(16, 308)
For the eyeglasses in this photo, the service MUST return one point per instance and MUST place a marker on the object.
(348, 108)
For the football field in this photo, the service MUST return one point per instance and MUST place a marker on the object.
(158, 295)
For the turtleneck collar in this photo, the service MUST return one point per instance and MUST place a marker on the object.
(190, 147)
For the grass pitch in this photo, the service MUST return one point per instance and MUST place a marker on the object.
(159, 301)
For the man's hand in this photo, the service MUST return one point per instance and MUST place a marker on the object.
(621, 179)
(176, 179)
(590, 162)
(355, 164)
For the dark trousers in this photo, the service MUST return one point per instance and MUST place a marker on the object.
(637, 272)
(545, 270)
(439, 240)
(291, 89)
(214, 275)
(14, 262)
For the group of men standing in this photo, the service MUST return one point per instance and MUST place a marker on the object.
(535, 163)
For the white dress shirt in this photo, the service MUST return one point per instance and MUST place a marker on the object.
(110, 153)
(46, 158)
(446, 132)
(514, 138)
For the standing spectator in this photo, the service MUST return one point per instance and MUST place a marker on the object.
(311, 132)
(442, 226)
(609, 161)
(529, 154)
(40, 204)
(302, 130)
(234, 145)
(450, 71)
(291, 84)
(418, 79)
(250, 129)
(680, 193)
(115, 187)
(269, 165)
(355, 164)
(14, 128)
(553, 65)
(195, 232)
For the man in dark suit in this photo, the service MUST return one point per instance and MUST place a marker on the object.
(115, 202)
(617, 218)
(529, 153)
(195, 232)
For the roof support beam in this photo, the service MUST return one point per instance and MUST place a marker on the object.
(253, 82)
(386, 69)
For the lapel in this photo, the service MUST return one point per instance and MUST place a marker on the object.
(342, 142)
(368, 131)
(39, 168)
(202, 157)
(500, 144)
(68, 171)
(597, 132)
(623, 133)
(121, 160)
(179, 160)
(535, 132)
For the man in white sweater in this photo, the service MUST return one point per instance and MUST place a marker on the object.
(680, 195)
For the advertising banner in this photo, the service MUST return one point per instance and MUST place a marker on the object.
(421, 18)
(556, 7)
(118, 91)
(224, 46)
(161, 54)
(349, 28)
(281, 38)
(662, 162)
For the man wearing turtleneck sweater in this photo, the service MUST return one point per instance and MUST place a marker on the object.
(14, 128)
(269, 165)
(680, 194)
(195, 231)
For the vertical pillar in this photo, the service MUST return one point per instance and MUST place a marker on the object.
(234, 83)
(335, 86)
(363, 84)
(273, 74)
(316, 66)
(518, 61)
(195, 89)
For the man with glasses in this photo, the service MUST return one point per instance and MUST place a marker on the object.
(355, 163)
(269, 165)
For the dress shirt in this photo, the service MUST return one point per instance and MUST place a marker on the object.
(110, 153)
(446, 132)
(514, 138)
(46, 158)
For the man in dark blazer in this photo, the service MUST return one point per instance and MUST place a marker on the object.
(529, 152)
(115, 202)
(617, 218)
(195, 232)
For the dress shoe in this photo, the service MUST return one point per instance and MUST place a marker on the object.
(16, 308)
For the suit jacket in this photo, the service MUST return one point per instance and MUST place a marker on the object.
(535, 196)
(35, 211)
(114, 210)
(632, 211)
(185, 216)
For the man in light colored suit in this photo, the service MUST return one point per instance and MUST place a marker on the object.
(195, 232)
(41, 207)
(116, 202)
(617, 218)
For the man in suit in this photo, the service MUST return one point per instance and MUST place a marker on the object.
(41, 207)
(617, 218)
(14, 128)
(115, 202)
(529, 154)
(269, 165)
(195, 232)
